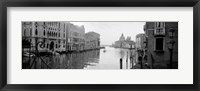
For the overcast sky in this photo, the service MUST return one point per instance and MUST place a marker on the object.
(111, 31)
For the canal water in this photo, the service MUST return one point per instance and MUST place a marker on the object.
(108, 58)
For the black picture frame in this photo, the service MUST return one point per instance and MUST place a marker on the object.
(99, 3)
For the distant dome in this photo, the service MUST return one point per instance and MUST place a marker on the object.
(122, 38)
(128, 38)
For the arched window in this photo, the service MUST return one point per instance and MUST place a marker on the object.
(44, 33)
(30, 32)
(47, 33)
(24, 32)
(36, 32)
(36, 24)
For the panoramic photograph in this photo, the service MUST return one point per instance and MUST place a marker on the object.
(99, 45)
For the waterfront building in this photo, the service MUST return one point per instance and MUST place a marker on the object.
(129, 43)
(75, 37)
(124, 43)
(92, 40)
(63, 36)
(140, 41)
(158, 44)
(140, 49)
(45, 36)
(120, 43)
(26, 34)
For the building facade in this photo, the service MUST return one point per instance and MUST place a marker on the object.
(75, 37)
(92, 41)
(140, 41)
(58, 37)
(45, 36)
(26, 34)
(158, 37)
(124, 43)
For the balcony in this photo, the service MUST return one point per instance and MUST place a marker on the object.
(159, 31)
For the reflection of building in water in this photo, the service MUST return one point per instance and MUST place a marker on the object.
(46, 36)
(82, 60)
(122, 53)
(124, 43)
(71, 61)
(92, 40)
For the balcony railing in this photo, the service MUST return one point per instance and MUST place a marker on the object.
(159, 31)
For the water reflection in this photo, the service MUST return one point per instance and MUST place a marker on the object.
(74, 60)
(122, 53)
(95, 59)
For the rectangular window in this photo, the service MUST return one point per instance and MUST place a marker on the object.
(159, 28)
(159, 24)
(159, 44)
(69, 40)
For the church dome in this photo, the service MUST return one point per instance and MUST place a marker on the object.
(128, 38)
(122, 38)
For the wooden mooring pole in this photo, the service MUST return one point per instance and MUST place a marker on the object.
(131, 62)
(120, 63)
(127, 61)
